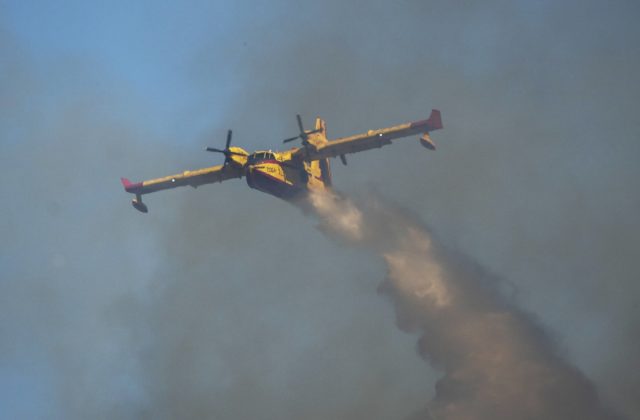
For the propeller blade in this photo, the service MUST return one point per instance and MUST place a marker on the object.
(224, 152)
(228, 139)
(299, 118)
(229, 152)
(304, 135)
(343, 158)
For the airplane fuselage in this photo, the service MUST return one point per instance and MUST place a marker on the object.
(276, 174)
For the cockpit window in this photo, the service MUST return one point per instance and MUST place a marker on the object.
(260, 156)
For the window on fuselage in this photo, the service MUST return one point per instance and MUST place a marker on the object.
(260, 156)
(253, 158)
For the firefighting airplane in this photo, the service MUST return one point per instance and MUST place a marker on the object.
(289, 174)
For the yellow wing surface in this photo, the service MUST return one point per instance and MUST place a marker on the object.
(374, 139)
(194, 179)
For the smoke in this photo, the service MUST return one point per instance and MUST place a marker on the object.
(497, 362)
(223, 302)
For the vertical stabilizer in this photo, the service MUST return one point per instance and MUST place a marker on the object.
(322, 126)
(318, 136)
(325, 170)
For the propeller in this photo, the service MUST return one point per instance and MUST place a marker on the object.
(304, 135)
(226, 152)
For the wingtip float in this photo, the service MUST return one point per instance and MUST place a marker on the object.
(292, 173)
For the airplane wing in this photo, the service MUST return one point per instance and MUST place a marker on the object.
(194, 179)
(374, 139)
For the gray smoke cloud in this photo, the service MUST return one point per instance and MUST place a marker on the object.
(226, 303)
(497, 362)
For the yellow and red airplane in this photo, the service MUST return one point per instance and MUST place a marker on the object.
(292, 173)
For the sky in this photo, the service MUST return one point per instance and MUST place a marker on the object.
(223, 302)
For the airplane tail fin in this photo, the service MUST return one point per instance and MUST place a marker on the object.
(325, 167)
(322, 126)
(325, 171)
(434, 122)
(318, 136)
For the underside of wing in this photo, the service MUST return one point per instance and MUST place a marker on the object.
(374, 138)
(194, 179)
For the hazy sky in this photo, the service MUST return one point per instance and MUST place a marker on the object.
(223, 302)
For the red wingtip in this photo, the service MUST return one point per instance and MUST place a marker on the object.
(130, 186)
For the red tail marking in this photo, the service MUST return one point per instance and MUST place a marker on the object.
(435, 120)
(433, 123)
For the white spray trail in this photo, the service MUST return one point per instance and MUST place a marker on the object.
(497, 363)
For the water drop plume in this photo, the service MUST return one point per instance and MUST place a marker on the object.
(496, 361)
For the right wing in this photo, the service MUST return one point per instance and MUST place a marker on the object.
(194, 179)
(374, 139)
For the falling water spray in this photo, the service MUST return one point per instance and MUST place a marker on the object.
(496, 361)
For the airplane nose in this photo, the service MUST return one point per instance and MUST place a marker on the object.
(251, 173)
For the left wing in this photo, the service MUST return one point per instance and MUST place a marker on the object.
(194, 179)
(374, 139)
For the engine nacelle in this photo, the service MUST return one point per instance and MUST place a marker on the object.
(426, 141)
(139, 205)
